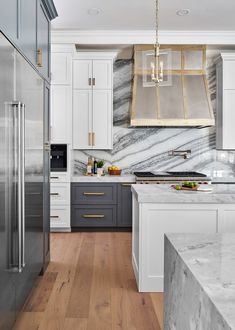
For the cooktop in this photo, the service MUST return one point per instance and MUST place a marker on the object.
(169, 174)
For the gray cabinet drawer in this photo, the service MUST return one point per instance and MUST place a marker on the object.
(94, 193)
(124, 205)
(93, 216)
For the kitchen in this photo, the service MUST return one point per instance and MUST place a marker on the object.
(125, 130)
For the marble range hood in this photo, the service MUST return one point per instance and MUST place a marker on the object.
(185, 101)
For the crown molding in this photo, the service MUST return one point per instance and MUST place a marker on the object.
(142, 37)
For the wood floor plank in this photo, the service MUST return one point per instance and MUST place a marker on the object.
(79, 301)
(28, 321)
(41, 293)
(100, 304)
(75, 324)
(158, 303)
(94, 289)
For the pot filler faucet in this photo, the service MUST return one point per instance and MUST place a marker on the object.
(182, 153)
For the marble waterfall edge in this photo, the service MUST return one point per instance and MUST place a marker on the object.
(147, 148)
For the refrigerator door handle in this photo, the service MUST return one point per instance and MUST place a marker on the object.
(19, 184)
(22, 152)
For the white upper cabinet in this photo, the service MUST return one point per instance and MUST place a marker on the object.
(225, 80)
(82, 74)
(102, 74)
(61, 105)
(61, 93)
(61, 68)
(93, 100)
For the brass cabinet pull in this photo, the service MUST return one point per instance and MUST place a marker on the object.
(93, 193)
(89, 81)
(39, 57)
(127, 184)
(54, 177)
(93, 216)
(93, 138)
(90, 139)
(93, 81)
(54, 194)
(54, 216)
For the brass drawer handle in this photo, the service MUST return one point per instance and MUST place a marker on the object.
(89, 81)
(93, 81)
(39, 57)
(93, 193)
(54, 177)
(127, 184)
(93, 138)
(54, 216)
(54, 194)
(93, 216)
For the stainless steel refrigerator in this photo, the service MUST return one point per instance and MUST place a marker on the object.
(22, 179)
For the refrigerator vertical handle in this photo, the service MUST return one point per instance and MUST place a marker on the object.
(19, 186)
(22, 152)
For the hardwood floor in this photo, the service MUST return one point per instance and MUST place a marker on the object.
(90, 285)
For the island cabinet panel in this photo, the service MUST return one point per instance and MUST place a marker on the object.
(227, 223)
(124, 205)
(151, 222)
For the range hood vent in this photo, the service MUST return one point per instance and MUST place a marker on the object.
(186, 102)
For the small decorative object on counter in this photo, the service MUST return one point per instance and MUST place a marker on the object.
(89, 166)
(95, 167)
(100, 169)
(114, 170)
(193, 186)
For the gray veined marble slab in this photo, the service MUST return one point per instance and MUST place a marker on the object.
(199, 282)
(107, 178)
(164, 193)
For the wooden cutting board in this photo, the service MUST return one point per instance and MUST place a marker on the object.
(186, 188)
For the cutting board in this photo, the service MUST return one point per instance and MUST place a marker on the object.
(206, 188)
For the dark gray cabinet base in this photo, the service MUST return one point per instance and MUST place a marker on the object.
(101, 206)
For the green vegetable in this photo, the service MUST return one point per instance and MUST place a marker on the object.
(100, 163)
(178, 187)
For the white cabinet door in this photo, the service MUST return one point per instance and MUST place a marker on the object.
(227, 222)
(228, 119)
(61, 68)
(229, 74)
(102, 74)
(102, 119)
(61, 114)
(82, 119)
(82, 74)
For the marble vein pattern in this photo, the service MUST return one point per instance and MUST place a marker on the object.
(199, 282)
(164, 193)
(147, 148)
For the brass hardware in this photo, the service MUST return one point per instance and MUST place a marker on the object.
(54, 216)
(54, 177)
(39, 57)
(54, 194)
(127, 184)
(93, 138)
(93, 193)
(93, 81)
(90, 139)
(93, 216)
(47, 146)
(89, 81)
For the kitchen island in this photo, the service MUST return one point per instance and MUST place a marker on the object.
(199, 281)
(159, 209)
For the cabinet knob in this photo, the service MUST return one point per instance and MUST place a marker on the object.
(39, 57)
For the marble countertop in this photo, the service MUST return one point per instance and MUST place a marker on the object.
(107, 178)
(211, 260)
(164, 193)
(229, 179)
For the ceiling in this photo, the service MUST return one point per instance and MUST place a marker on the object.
(140, 14)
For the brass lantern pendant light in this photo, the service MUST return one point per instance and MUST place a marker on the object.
(156, 64)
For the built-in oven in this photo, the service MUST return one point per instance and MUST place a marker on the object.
(58, 157)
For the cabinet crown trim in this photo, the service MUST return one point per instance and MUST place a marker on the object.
(95, 55)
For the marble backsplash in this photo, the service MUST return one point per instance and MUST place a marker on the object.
(147, 148)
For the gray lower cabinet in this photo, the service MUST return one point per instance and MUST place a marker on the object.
(101, 205)
(124, 205)
(94, 216)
